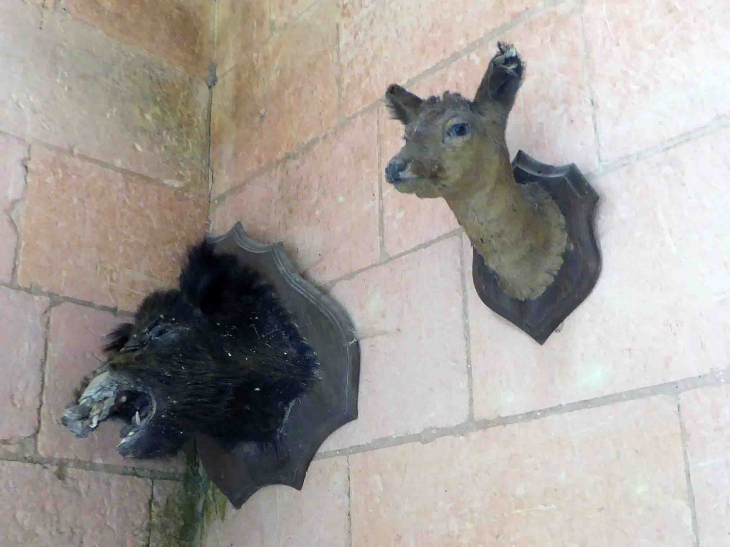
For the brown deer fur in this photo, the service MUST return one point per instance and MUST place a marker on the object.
(456, 149)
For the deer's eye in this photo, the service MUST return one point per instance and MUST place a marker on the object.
(458, 130)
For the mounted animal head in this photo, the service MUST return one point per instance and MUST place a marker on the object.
(450, 141)
(219, 355)
(456, 149)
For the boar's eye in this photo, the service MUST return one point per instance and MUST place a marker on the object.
(166, 334)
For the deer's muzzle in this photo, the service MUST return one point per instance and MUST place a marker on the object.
(394, 170)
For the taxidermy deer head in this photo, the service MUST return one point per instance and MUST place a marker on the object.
(455, 149)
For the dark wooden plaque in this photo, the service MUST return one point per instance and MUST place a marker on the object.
(330, 404)
(581, 261)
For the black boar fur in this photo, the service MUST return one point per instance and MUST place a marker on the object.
(219, 355)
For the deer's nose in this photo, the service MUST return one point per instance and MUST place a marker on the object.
(394, 169)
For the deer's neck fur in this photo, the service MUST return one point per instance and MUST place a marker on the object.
(518, 229)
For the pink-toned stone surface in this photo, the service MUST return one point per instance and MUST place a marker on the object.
(179, 31)
(44, 506)
(22, 339)
(659, 312)
(74, 87)
(285, 11)
(13, 153)
(323, 205)
(74, 351)
(408, 316)
(384, 42)
(277, 98)
(706, 416)
(643, 56)
(171, 510)
(280, 515)
(242, 27)
(101, 236)
(608, 476)
(16, 449)
(551, 120)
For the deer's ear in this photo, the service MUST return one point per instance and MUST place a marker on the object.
(402, 105)
(502, 79)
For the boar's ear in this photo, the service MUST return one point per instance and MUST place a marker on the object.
(402, 105)
(118, 338)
